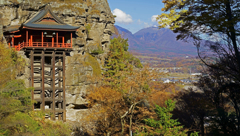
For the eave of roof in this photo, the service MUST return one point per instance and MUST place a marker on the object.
(34, 21)
(12, 28)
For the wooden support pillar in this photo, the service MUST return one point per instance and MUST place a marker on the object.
(31, 40)
(27, 38)
(63, 41)
(52, 41)
(57, 40)
(42, 38)
(53, 85)
(12, 41)
(71, 39)
(59, 93)
(64, 99)
(32, 75)
(43, 88)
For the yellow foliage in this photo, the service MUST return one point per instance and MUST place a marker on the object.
(10, 64)
(117, 97)
(167, 19)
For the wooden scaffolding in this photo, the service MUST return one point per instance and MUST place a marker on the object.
(48, 79)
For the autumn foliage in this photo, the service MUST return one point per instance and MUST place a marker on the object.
(125, 94)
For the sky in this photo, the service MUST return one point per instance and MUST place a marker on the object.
(135, 15)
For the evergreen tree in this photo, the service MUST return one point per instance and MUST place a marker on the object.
(119, 59)
(164, 125)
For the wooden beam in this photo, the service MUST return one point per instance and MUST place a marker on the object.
(57, 39)
(32, 75)
(31, 40)
(42, 38)
(71, 39)
(63, 41)
(12, 41)
(43, 89)
(59, 93)
(64, 95)
(27, 37)
(52, 41)
(53, 84)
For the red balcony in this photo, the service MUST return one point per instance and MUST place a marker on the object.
(42, 45)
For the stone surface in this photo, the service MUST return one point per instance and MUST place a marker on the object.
(95, 13)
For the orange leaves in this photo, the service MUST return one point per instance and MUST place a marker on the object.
(104, 95)
(159, 98)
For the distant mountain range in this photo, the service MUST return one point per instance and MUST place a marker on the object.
(157, 41)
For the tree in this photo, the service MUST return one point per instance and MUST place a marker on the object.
(192, 19)
(121, 97)
(119, 59)
(192, 108)
(164, 125)
(122, 94)
(213, 25)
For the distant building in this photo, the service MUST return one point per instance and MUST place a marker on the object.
(167, 81)
(196, 74)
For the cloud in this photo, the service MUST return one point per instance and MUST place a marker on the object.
(146, 25)
(153, 18)
(122, 17)
(139, 22)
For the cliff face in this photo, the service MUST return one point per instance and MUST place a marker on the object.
(96, 26)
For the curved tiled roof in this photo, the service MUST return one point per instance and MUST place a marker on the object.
(34, 22)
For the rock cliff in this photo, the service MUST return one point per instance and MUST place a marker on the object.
(93, 37)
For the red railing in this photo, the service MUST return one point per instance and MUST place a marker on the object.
(43, 45)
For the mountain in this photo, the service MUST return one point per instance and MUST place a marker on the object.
(157, 41)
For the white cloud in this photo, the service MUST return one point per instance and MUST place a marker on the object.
(122, 17)
(153, 18)
(139, 22)
(146, 25)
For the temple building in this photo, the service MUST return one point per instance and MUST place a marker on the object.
(46, 40)
(43, 30)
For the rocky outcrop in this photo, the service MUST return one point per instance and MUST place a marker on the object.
(96, 26)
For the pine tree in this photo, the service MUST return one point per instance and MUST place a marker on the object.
(164, 125)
